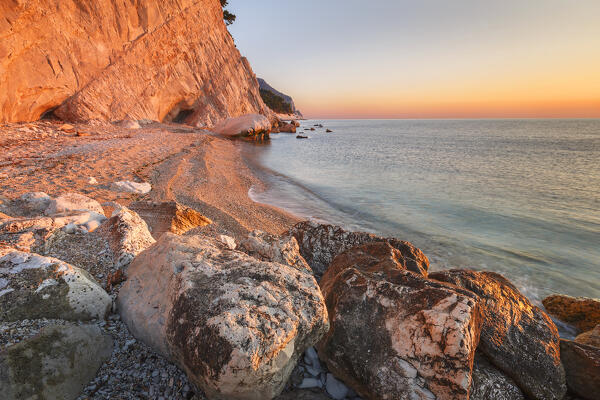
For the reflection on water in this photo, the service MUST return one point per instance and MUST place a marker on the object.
(520, 197)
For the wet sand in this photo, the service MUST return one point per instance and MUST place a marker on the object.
(185, 164)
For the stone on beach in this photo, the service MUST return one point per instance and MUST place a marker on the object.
(56, 364)
(582, 312)
(73, 202)
(516, 336)
(246, 125)
(127, 234)
(132, 187)
(33, 286)
(582, 367)
(266, 247)
(35, 202)
(235, 324)
(320, 243)
(168, 216)
(591, 338)
(395, 334)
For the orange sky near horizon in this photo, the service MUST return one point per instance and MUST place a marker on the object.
(429, 59)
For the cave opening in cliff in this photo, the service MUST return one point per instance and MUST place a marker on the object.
(49, 114)
(182, 115)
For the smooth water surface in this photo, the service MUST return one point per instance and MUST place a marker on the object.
(520, 197)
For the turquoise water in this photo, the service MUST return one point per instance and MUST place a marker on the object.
(520, 197)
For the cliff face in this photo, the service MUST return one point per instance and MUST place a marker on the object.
(107, 59)
(263, 85)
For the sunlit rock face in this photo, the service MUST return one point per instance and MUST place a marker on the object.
(516, 336)
(149, 59)
(395, 334)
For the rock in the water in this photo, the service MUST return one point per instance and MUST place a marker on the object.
(267, 247)
(169, 216)
(246, 125)
(319, 244)
(73, 202)
(582, 366)
(489, 383)
(132, 187)
(127, 234)
(394, 334)
(582, 312)
(235, 324)
(517, 337)
(591, 338)
(56, 364)
(33, 286)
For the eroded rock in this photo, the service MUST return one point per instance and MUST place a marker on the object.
(489, 383)
(516, 336)
(266, 247)
(235, 324)
(582, 312)
(246, 125)
(71, 202)
(582, 366)
(33, 286)
(127, 234)
(591, 338)
(169, 217)
(395, 334)
(56, 364)
(132, 187)
(319, 244)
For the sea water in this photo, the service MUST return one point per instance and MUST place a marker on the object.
(519, 197)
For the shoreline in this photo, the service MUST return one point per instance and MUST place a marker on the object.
(189, 165)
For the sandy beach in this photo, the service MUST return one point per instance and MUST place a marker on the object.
(185, 164)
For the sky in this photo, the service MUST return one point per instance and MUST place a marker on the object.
(426, 58)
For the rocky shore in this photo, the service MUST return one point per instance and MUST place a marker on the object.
(191, 290)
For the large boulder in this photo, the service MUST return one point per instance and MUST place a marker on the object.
(489, 383)
(591, 338)
(319, 244)
(266, 247)
(57, 364)
(394, 334)
(168, 216)
(127, 235)
(516, 336)
(169, 60)
(33, 286)
(70, 202)
(246, 125)
(582, 312)
(235, 324)
(582, 366)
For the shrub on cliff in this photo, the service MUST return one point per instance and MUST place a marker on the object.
(275, 102)
(227, 16)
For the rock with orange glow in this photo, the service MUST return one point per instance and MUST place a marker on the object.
(582, 312)
(148, 59)
(516, 336)
(395, 334)
(320, 243)
(582, 365)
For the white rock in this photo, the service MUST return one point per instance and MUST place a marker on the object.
(335, 388)
(244, 125)
(132, 187)
(92, 181)
(237, 325)
(83, 298)
(228, 241)
(127, 234)
(73, 202)
(308, 383)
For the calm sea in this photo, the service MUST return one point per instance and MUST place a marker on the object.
(519, 197)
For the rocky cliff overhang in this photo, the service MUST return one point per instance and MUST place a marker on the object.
(165, 60)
